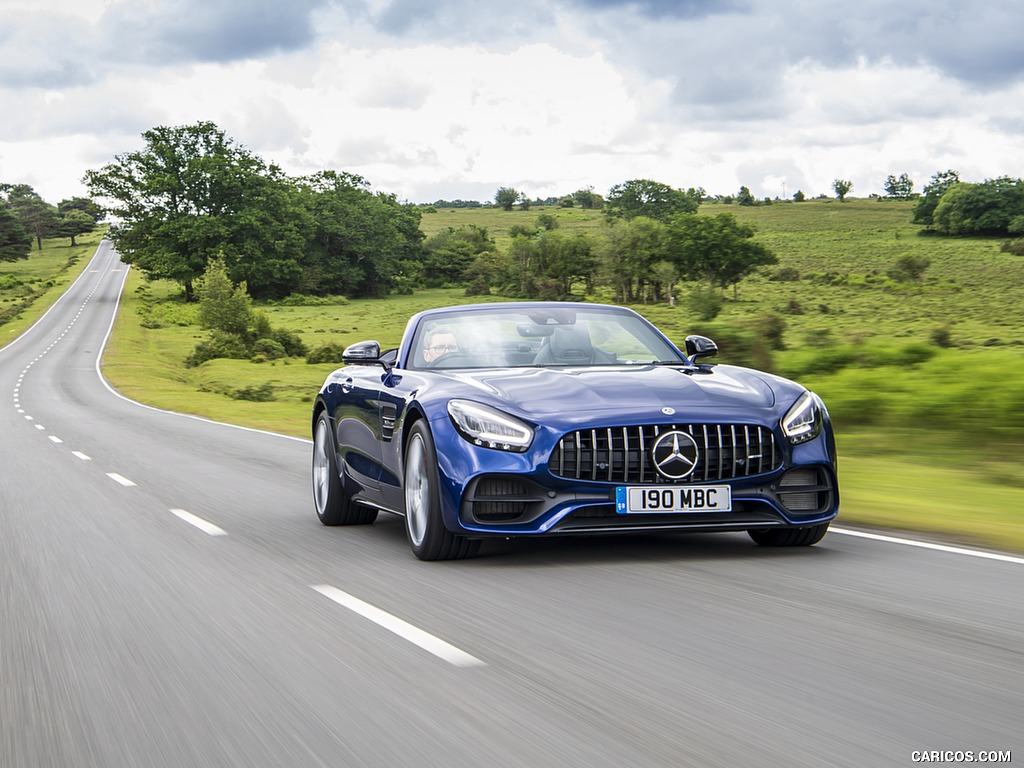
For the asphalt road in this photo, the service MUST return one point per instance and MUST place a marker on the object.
(168, 598)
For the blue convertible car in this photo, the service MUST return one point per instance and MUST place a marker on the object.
(541, 419)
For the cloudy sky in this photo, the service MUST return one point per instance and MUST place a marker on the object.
(454, 98)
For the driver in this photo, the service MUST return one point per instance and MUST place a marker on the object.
(439, 341)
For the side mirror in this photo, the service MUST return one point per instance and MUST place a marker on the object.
(361, 353)
(700, 346)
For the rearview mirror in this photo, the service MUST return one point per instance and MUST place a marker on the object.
(361, 353)
(700, 346)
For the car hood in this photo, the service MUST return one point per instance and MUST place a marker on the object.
(546, 392)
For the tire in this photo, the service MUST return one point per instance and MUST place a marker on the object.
(333, 505)
(788, 537)
(428, 538)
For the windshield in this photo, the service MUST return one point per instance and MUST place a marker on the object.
(484, 338)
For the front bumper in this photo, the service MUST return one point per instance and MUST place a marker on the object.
(486, 492)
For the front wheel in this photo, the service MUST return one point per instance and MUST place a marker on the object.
(428, 537)
(333, 505)
(788, 537)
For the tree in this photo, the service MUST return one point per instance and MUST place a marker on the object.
(566, 259)
(547, 221)
(236, 329)
(629, 252)
(899, 189)
(450, 252)
(799, 196)
(15, 242)
(924, 208)
(37, 216)
(74, 223)
(223, 306)
(989, 208)
(359, 243)
(664, 275)
(86, 205)
(192, 193)
(642, 197)
(587, 198)
(716, 249)
(745, 197)
(842, 188)
(506, 197)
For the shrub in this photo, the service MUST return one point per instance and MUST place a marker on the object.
(478, 288)
(223, 306)
(785, 275)
(220, 344)
(262, 393)
(1014, 247)
(705, 302)
(770, 327)
(909, 269)
(738, 346)
(302, 300)
(290, 341)
(268, 349)
(818, 337)
(328, 353)
(907, 355)
(521, 230)
(942, 337)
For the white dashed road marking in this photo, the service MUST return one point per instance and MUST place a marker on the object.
(403, 629)
(120, 479)
(80, 455)
(204, 525)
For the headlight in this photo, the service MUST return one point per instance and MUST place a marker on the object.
(489, 427)
(803, 421)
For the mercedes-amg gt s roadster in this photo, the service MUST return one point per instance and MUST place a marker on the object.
(548, 419)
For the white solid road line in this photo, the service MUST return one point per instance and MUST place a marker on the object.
(929, 545)
(120, 479)
(204, 525)
(403, 629)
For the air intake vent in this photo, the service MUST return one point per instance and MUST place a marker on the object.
(805, 490)
(500, 499)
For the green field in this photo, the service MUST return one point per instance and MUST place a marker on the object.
(30, 286)
(922, 380)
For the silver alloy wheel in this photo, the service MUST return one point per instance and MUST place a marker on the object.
(417, 491)
(321, 467)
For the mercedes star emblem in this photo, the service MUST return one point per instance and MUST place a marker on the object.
(675, 455)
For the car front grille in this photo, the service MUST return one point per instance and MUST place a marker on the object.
(623, 454)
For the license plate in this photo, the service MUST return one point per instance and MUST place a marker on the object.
(647, 499)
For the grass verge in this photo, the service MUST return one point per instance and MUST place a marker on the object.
(924, 480)
(29, 287)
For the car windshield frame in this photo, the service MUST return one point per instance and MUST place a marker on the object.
(532, 336)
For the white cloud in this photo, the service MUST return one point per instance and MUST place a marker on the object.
(457, 98)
